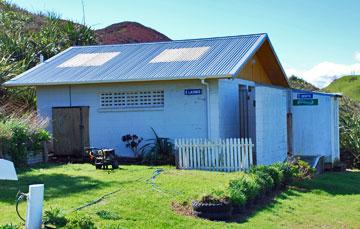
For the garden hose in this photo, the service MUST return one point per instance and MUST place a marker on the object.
(155, 187)
(151, 180)
(19, 197)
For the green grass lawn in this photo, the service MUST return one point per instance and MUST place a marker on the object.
(330, 201)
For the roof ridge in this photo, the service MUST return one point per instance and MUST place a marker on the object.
(172, 41)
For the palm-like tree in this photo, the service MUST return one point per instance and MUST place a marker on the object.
(24, 37)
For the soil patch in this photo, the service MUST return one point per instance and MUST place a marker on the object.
(182, 208)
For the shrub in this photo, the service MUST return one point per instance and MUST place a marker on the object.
(18, 142)
(37, 138)
(259, 180)
(5, 138)
(159, 151)
(302, 169)
(246, 185)
(79, 221)
(220, 193)
(349, 126)
(20, 134)
(236, 195)
(55, 217)
(276, 174)
(9, 226)
(288, 172)
(212, 199)
(264, 181)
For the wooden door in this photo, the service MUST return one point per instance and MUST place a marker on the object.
(244, 111)
(247, 115)
(70, 130)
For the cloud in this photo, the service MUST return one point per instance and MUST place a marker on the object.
(324, 73)
(357, 56)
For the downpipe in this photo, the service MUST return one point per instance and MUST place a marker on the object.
(207, 107)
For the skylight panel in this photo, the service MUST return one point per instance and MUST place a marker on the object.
(180, 54)
(89, 59)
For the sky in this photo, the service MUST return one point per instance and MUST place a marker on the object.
(318, 40)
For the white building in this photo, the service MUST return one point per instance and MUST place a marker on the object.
(202, 88)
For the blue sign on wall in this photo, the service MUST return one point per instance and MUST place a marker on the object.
(305, 96)
(193, 91)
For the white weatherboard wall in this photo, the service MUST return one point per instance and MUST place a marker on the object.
(183, 116)
(229, 116)
(316, 127)
(271, 127)
(229, 108)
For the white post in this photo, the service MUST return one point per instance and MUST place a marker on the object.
(34, 206)
(250, 152)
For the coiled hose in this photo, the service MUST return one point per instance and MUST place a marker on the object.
(19, 197)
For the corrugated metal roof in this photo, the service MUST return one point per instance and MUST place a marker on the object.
(318, 92)
(224, 58)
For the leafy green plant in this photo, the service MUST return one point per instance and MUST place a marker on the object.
(10, 226)
(5, 138)
(37, 138)
(159, 151)
(276, 174)
(108, 215)
(236, 193)
(79, 221)
(54, 216)
(349, 122)
(303, 170)
(220, 193)
(18, 135)
(263, 178)
(211, 199)
(18, 142)
(288, 172)
(247, 185)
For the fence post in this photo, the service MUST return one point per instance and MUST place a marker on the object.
(250, 152)
(232, 154)
(238, 155)
(246, 153)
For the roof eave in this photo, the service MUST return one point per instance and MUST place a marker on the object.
(14, 84)
(279, 63)
(264, 37)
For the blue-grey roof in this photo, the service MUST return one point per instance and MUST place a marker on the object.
(318, 92)
(224, 58)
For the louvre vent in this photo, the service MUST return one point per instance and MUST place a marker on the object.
(134, 99)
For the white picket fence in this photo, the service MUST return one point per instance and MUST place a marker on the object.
(232, 154)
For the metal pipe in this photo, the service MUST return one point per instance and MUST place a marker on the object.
(207, 107)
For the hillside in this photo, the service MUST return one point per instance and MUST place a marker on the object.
(298, 83)
(348, 85)
(128, 32)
